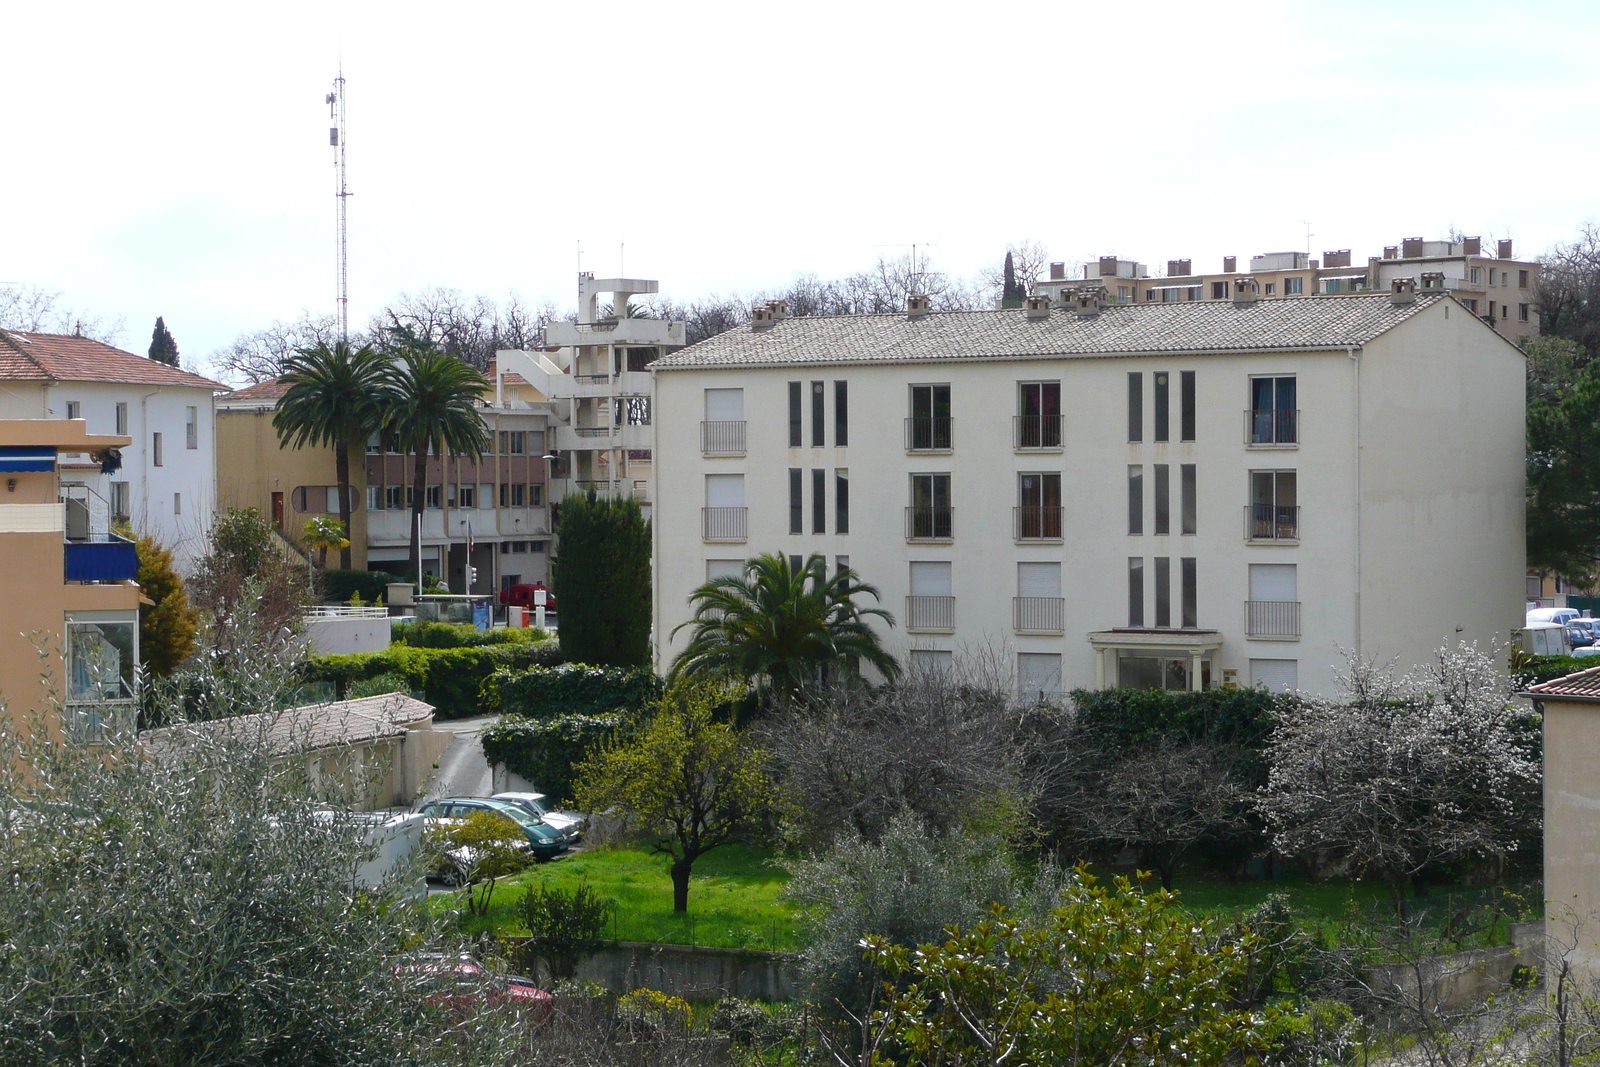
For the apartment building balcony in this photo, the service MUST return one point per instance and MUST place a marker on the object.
(592, 438)
(1038, 614)
(930, 614)
(1272, 428)
(930, 434)
(1271, 524)
(724, 524)
(92, 552)
(1036, 433)
(722, 438)
(930, 524)
(1275, 620)
(1036, 523)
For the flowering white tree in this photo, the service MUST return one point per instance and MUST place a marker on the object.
(1438, 765)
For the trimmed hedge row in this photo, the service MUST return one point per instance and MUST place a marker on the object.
(570, 689)
(337, 585)
(1536, 669)
(547, 752)
(1135, 717)
(425, 634)
(450, 678)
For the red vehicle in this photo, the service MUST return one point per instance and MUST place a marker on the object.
(522, 596)
(463, 984)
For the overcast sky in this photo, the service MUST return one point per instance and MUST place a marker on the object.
(174, 160)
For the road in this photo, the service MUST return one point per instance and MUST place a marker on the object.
(463, 772)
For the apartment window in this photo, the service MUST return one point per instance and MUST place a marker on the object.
(519, 443)
(931, 605)
(505, 550)
(1522, 312)
(1038, 606)
(536, 495)
(450, 496)
(932, 662)
(1163, 578)
(1491, 275)
(1186, 497)
(505, 494)
(74, 410)
(331, 499)
(819, 501)
(1159, 430)
(1522, 279)
(191, 427)
(932, 517)
(1135, 591)
(374, 498)
(1294, 286)
(519, 495)
(1191, 591)
(841, 501)
(1039, 675)
(122, 417)
(411, 497)
(467, 495)
(1219, 290)
(394, 497)
(432, 498)
(157, 457)
(375, 444)
(1275, 675)
(1135, 406)
(1475, 275)
(1273, 415)
(929, 428)
(819, 421)
(841, 414)
(1039, 415)
(841, 563)
(1039, 505)
(1135, 499)
(1472, 305)
(1186, 405)
(177, 503)
(796, 502)
(794, 415)
(119, 500)
(1271, 289)
(796, 564)
(1274, 514)
(1163, 500)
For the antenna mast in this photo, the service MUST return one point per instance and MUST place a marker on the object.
(336, 138)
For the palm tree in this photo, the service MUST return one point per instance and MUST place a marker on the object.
(433, 408)
(335, 398)
(782, 628)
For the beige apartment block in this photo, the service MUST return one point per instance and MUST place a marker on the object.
(1499, 288)
(1173, 494)
(69, 583)
(1570, 708)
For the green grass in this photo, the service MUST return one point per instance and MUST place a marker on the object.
(733, 898)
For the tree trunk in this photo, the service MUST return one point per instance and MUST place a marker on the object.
(419, 484)
(341, 473)
(680, 884)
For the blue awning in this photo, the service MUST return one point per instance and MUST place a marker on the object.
(27, 458)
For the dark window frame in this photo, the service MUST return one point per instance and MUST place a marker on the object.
(796, 500)
(1135, 592)
(841, 500)
(1186, 405)
(1135, 406)
(1136, 500)
(841, 414)
(1160, 403)
(1161, 487)
(819, 500)
(795, 406)
(819, 415)
(1163, 583)
(1190, 581)
(1188, 505)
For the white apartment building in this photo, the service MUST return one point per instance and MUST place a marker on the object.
(166, 485)
(1181, 495)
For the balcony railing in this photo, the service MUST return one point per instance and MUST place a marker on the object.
(1036, 523)
(1271, 522)
(930, 524)
(1272, 618)
(1271, 428)
(722, 438)
(1036, 433)
(101, 558)
(1038, 614)
(930, 614)
(930, 435)
(724, 524)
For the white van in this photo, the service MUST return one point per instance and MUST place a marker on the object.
(1544, 639)
(1559, 616)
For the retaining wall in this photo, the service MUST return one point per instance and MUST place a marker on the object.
(690, 970)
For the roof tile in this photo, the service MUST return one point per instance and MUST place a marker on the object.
(53, 357)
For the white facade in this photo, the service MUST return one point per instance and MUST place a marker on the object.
(1396, 524)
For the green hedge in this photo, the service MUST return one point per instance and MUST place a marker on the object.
(1536, 669)
(1134, 717)
(337, 585)
(570, 689)
(424, 634)
(450, 678)
(546, 752)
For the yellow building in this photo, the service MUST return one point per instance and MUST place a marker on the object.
(68, 581)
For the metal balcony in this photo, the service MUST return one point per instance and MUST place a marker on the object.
(1036, 523)
(722, 438)
(930, 434)
(724, 524)
(1038, 614)
(1272, 618)
(101, 558)
(1036, 433)
(1270, 522)
(930, 524)
(930, 614)
(1271, 428)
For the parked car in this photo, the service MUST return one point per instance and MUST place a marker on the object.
(545, 842)
(1544, 639)
(464, 984)
(1582, 632)
(522, 596)
(569, 823)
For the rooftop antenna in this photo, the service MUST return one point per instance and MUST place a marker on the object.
(1307, 224)
(336, 138)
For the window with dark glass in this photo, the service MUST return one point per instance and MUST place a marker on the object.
(1274, 506)
(1039, 415)
(841, 414)
(1272, 411)
(1159, 430)
(1186, 405)
(819, 421)
(1163, 577)
(1135, 406)
(796, 501)
(794, 415)
(1186, 494)
(1135, 498)
(841, 501)
(1163, 500)
(1191, 592)
(930, 418)
(1039, 505)
(1135, 591)
(931, 514)
(819, 501)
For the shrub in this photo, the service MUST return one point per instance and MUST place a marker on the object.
(746, 1022)
(649, 1013)
(602, 581)
(571, 689)
(377, 686)
(565, 925)
(167, 626)
(450, 678)
(547, 751)
(1133, 718)
(339, 585)
(425, 634)
(1532, 670)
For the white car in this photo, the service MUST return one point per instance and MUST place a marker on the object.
(570, 824)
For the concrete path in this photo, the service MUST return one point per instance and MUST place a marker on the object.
(463, 772)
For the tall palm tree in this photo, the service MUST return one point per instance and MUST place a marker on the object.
(432, 409)
(781, 628)
(335, 398)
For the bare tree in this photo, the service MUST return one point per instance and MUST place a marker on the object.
(29, 308)
(1030, 260)
(470, 329)
(258, 356)
(1569, 291)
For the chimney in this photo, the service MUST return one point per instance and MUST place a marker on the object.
(1337, 258)
(917, 306)
(1058, 272)
(1230, 264)
(1315, 264)
(1036, 307)
(1504, 250)
(1403, 291)
(779, 309)
(1178, 268)
(1472, 246)
(1087, 300)
(1391, 251)
(1411, 248)
(1108, 266)
(761, 317)
(1245, 291)
(1433, 281)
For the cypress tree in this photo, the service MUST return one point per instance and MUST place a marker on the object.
(602, 581)
(1010, 292)
(167, 626)
(163, 349)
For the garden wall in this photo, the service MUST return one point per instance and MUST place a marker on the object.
(1462, 979)
(690, 971)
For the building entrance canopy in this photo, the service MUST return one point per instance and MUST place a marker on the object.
(1154, 659)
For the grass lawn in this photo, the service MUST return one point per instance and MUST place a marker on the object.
(733, 898)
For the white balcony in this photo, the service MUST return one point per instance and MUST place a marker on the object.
(930, 614)
(1038, 614)
(600, 438)
(614, 332)
(1276, 620)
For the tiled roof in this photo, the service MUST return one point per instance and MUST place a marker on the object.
(53, 357)
(1330, 322)
(313, 727)
(1585, 685)
(271, 389)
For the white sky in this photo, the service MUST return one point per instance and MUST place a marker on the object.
(173, 159)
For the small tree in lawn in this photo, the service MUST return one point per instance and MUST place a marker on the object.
(480, 850)
(690, 782)
(602, 581)
(564, 926)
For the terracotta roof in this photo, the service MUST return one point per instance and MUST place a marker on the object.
(53, 357)
(1328, 322)
(271, 389)
(1583, 686)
